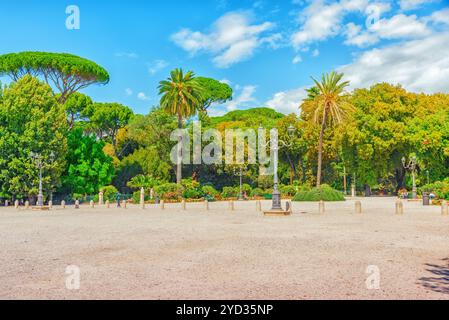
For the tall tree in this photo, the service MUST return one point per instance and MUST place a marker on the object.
(66, 72)
(31, 120)
(75, 107)
(181, 96)
(329, 107)
(213, 92)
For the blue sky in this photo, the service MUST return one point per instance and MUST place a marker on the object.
(266, 50)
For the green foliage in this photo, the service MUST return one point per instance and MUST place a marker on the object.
(109, 193)
(76, 106)
(169, 191)
(107, 118)
(136, 197)
(213, 91)
(324, 193)
(257, 192)
(142, 181)
(251, 118)
(68, 72)
(31, 120)
(439, 188)
(88, 167)
(209, 191)
(192, 189)
(246, 188)
(229, 192)
(288, 190)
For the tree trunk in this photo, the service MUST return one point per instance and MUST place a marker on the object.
(179, 160)
(320, 149)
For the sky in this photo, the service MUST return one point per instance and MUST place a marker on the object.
(267, 51)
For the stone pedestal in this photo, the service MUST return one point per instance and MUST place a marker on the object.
(358, 207)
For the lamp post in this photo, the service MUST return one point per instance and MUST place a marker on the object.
(240, 174)
(39, 160)
(411, 165)
(274, 146)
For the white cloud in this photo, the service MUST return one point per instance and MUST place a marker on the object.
(320, 21)
(413, 4)
(232, 39)
(130, 55)
(244, 99)
(129, 91)
(315, 53)
(419, 65)
(142, 96)
(441, 16)
(287, 101)
(297, 59)
(157, 65)
(226, 81)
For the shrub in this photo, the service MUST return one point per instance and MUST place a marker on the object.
(439, 188)
(229, 192)
(257, 192)
(210, 191)
(169, 191)
(192, 189)
(109, 193)
(324, 192)
(288, 190)
(192, 194)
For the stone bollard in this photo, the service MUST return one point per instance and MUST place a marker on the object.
(27, 205)
(108, 204)
(353, 193)
(77, 204)
(231, 205)
(321, 207)
(92, 204)
(258, 205)
(142, 198)
(444, 208)
(6, 203)
(183, 205)
(124, 204)
(50, 204)
(358, 207)
(162, 204)
(100, 198)
(16, 204)
(206, 205)
(63, 204)
(399, 207)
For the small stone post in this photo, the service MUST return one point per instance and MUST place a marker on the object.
(162, 203)
(358, 207)
(231, 205)
(444, 208)
(353, 194)
(142, 198)
(124, 203)
(321, 207)
(399, 207)
(258, 205)
(183, 204)
(6, 203)
(63, 204)
(108, 204)
(27, 204)
(50, 204)
(77, 204)
(100, 198)
(16, 204)
(206, 204)
(92, 204)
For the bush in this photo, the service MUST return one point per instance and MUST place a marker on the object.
(192, 189)
(229, 192)
(288, 190)
(439, 188)
(257, 192)
(209, 191)
(324, 192)
(192, 194)
(169, 191)
(109, 193)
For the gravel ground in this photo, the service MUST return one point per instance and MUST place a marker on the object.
(218, 254)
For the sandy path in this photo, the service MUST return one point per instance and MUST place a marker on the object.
(150, 254)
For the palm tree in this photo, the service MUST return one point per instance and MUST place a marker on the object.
(329, 107)
(181, 94)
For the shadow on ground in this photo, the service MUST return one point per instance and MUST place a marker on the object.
(439, 282)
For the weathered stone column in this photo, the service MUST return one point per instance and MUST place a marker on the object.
(399, 207)
(100, 198)
(358, 207)
(142, 198)
(321, 207)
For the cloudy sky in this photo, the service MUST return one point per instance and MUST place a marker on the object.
(266, 50)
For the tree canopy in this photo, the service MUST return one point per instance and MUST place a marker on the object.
(66, 72)
(213, 92)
